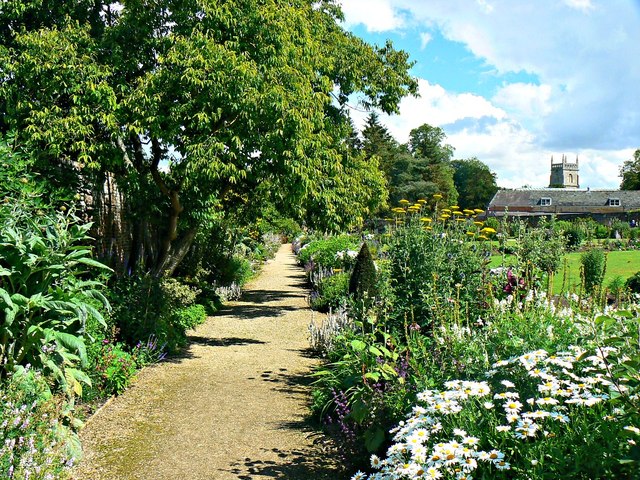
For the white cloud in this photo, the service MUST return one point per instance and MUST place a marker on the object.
(584, 55)
(438, 107)
(425, 38)
(583, 5)
(375, 15)
(525, 100)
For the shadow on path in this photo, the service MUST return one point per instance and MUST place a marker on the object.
(294, 465)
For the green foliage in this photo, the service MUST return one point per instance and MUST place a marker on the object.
(633, 283)
(363, 284)
(541, 249)
(575, 236)
(630, 173)
(236, 101)
(433, 272)
(594, 263)
(191, 316)
(621, 228)
(475, 183)
(329, 252)
(146, 306)
(45, 293)
(114, 368)
(35, 444)
(331, 292)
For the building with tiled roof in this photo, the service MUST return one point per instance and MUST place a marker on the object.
(567, 201)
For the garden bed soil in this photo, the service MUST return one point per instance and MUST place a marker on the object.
(233, 406)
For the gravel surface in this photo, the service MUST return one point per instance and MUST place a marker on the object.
(234, 406)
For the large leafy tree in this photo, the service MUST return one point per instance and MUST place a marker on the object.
(429, 169)
(194, 103)
(630, 173)
(474, 181)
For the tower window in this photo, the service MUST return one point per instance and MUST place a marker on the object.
(545, 201)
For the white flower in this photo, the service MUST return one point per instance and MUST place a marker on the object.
(633, 429)
(359, 476)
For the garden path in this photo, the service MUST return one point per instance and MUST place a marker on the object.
(232, 407)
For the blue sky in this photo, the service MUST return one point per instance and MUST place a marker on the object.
(514, 82)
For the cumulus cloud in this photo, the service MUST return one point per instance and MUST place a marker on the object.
(586, 101)
(584, 50)
(425, 38)
(375, 15)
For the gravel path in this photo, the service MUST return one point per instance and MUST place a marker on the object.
(233, 407)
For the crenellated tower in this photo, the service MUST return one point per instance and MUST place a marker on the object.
(564, 174)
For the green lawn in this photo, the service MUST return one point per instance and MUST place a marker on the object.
(619, 264)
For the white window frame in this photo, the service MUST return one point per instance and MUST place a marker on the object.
(545, 201)
(614, 202)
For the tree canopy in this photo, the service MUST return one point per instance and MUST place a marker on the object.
(199, 100)
(475, 182)
(630, 173)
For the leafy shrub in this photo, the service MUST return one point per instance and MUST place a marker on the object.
(433, 272)
(147, 306)
(114, 368)
(621, 228)
(326, 252)
(35, 445)
(601, 231)
(46, 293)
(331, 292)
(593, 267)
(191, 316)
(542, 248)
(575, 236)
(633, 283)
(363, 284)
(235, 269)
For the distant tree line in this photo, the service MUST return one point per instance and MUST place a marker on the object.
(425, 166)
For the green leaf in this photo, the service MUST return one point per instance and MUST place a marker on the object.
(93, 263)
(6, 297)
(72, 343)
(375, 376)
(374, 438)
(358, 345)
(376, 351)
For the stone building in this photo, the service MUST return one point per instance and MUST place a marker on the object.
(566, 200)
(564, 174)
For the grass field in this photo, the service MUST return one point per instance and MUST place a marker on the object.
(619, 264)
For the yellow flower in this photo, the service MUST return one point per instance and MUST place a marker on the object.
(478, 223)
(471, 234)
(468, 212)
(454, 207)
(428, 227)
(457, 212)
(483, 237)
(445, 216)
(437, 196)
(404, 202)
(477, 210)
(446, 210)
(422, 201)
(425, 219)
(461, 219)
(488, 230)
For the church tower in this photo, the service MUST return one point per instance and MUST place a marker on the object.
(564, 174)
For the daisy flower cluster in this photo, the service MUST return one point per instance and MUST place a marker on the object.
(527, 398)
(423, 449)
